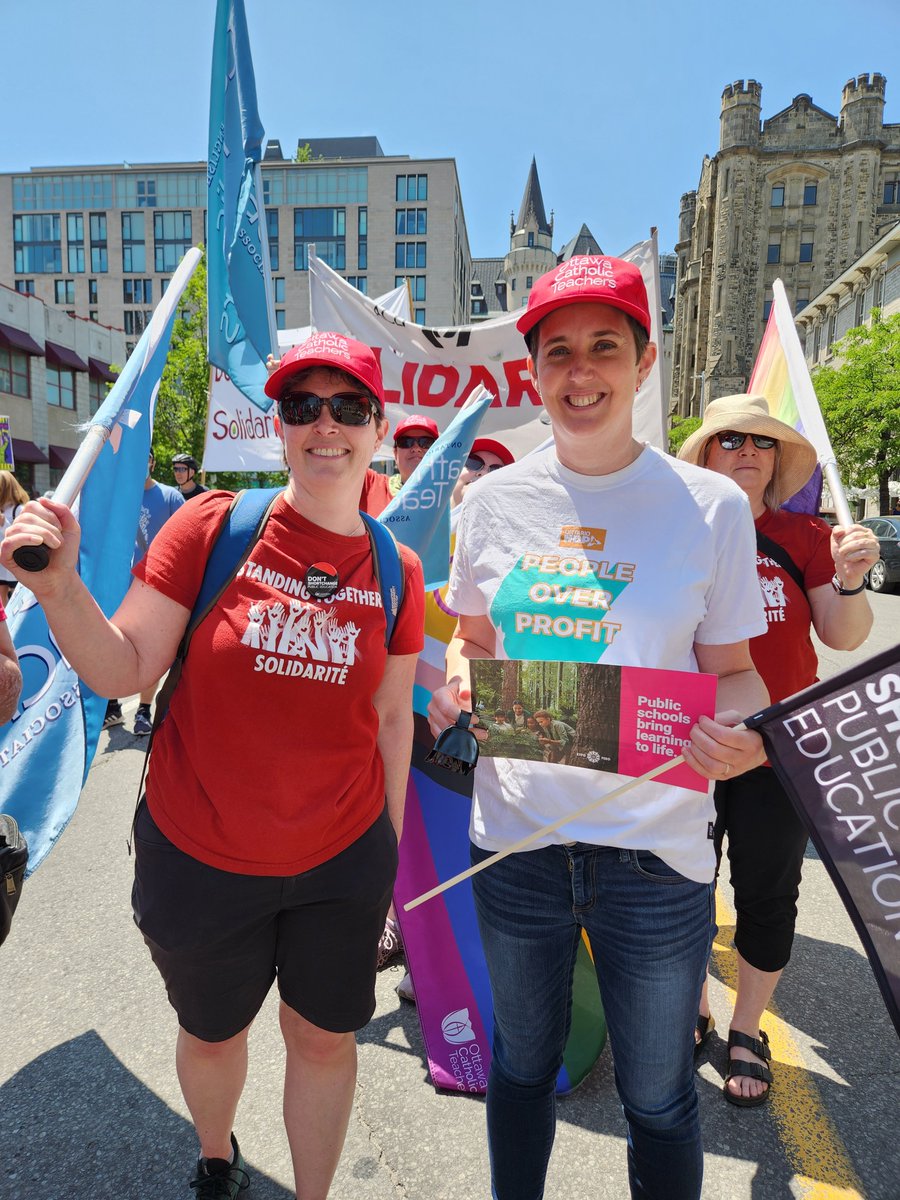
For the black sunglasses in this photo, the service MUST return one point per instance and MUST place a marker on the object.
(348, 408)
(474, 463)
(733, 441)
(405, 442)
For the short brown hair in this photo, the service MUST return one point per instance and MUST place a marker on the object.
(638, 332)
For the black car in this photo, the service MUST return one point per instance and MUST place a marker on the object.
(886, 572)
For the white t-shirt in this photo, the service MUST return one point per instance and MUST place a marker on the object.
(672, 549)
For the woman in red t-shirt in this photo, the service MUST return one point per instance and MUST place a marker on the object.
(267, 840)
(811, 576)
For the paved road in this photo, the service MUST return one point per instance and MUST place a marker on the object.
(89, 1105)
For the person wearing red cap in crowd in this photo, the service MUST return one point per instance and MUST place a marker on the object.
(486, 455)
(563, 556)
(413, 438)
(267, 839)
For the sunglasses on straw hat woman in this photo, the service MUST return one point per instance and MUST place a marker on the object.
(266, 843)
(636, 874)
(810, 576)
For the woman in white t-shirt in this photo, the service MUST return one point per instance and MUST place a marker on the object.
(12, 497)
(601, 549)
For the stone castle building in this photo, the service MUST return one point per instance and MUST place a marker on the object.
(799, 196)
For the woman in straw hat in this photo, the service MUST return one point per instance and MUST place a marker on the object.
(562, 556)
(810, 576)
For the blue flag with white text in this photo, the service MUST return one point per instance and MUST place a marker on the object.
(47, 748)
(238, 276)
(419, 515)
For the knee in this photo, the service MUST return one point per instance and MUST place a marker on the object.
(197, 1049)
(312, 1043)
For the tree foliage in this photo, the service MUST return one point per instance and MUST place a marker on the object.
(682, 428)
(860, 401)
(180, 424)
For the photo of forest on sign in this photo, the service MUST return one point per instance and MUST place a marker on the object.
(556, 712)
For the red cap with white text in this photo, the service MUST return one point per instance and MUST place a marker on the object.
(329, 350)
(588, 277)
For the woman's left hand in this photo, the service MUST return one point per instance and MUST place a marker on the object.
(855, 551)
(718, 750)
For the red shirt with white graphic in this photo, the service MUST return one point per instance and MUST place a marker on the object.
(784, 655)
(376, 493)
(267, 761)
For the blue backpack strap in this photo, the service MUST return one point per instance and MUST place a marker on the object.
(389, 573)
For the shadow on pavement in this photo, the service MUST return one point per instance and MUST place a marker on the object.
(75, 1122)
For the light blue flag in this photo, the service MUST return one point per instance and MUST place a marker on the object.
(241, 318)
(419, 515)
(47, 748)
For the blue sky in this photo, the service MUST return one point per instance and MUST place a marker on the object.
(614, 101)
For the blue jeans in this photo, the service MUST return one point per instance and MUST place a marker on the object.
(651, 933)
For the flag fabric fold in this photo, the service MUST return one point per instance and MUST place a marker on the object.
(836, 749)
(47, 748)
(241, 316)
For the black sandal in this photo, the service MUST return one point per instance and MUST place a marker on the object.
(704, 1027)
(751, 1070)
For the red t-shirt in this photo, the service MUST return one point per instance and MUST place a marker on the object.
(376, 493)
(267, 762)
(784, 655)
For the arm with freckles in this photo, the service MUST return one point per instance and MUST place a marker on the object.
(716, 748)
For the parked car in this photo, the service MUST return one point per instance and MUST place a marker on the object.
(885, 575)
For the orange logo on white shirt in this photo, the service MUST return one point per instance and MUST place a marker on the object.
(581, 537)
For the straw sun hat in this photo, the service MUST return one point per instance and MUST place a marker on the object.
(750, 414)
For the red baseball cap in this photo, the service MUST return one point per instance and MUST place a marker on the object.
(425, 424)
(329, 350)
(588, 277)
(491, 447)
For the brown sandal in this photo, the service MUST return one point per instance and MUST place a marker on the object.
(751, 1070)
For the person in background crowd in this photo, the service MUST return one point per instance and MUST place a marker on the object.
(184, 468)
(10, 672)
(12, 497)
(636, 874)
(276, 865)
(810, 576)
(158, 503)
(413, 438)
(486, 455)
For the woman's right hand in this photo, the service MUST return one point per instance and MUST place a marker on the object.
(43, 521)
(447, 703)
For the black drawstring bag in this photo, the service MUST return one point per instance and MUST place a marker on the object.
(13, 860)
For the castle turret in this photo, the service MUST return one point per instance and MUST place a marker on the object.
(740, 115)
(862, 108)
(530, 243)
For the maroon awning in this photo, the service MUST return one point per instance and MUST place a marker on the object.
(61, 456)
(18, 339)
(100, 370)
(62, 356)
(28, 452)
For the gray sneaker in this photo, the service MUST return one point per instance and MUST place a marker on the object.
(218, 1179)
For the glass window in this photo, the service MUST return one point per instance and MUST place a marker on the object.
(14, 377)
(92, 291)
(529, 281)
(99, 248)
(767, 308)
(279, 290)
(362, 243)
(280, 319)
(36, 243)
(773, 255)
(32, 193)
(136, 321)
(411, 254)
(420, 316)
(137, 291)
(92, 314)
(64, 291)
(411, 221)
(96, 393)
(146, 193)
(75, 241)
(513, 284)
(326, 228)
(171, 239)
(25, 287)
(810, 191)
(362, 222)
(892, 191)
(272, 234)
(361, 283)
(806, 251)
(802, 299)
(777, 200)
(531, 239)
(412, 187)
(60, 387)
(416, 285)
(134, 250)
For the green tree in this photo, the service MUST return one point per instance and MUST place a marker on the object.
(682, 428)
(860, 401)
(180, 424)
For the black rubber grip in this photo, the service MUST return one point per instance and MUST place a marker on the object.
(32, 558)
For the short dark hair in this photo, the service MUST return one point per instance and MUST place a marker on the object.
(638, 332)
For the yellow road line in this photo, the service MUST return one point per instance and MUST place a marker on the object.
(812, 1145)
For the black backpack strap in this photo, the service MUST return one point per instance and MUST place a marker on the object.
(241, 529)
(778, 554)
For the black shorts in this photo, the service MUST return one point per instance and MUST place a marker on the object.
(219, 939)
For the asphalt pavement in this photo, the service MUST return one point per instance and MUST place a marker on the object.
(90, 1106)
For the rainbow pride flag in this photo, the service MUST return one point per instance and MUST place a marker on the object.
(443, 948)
(781, 375)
